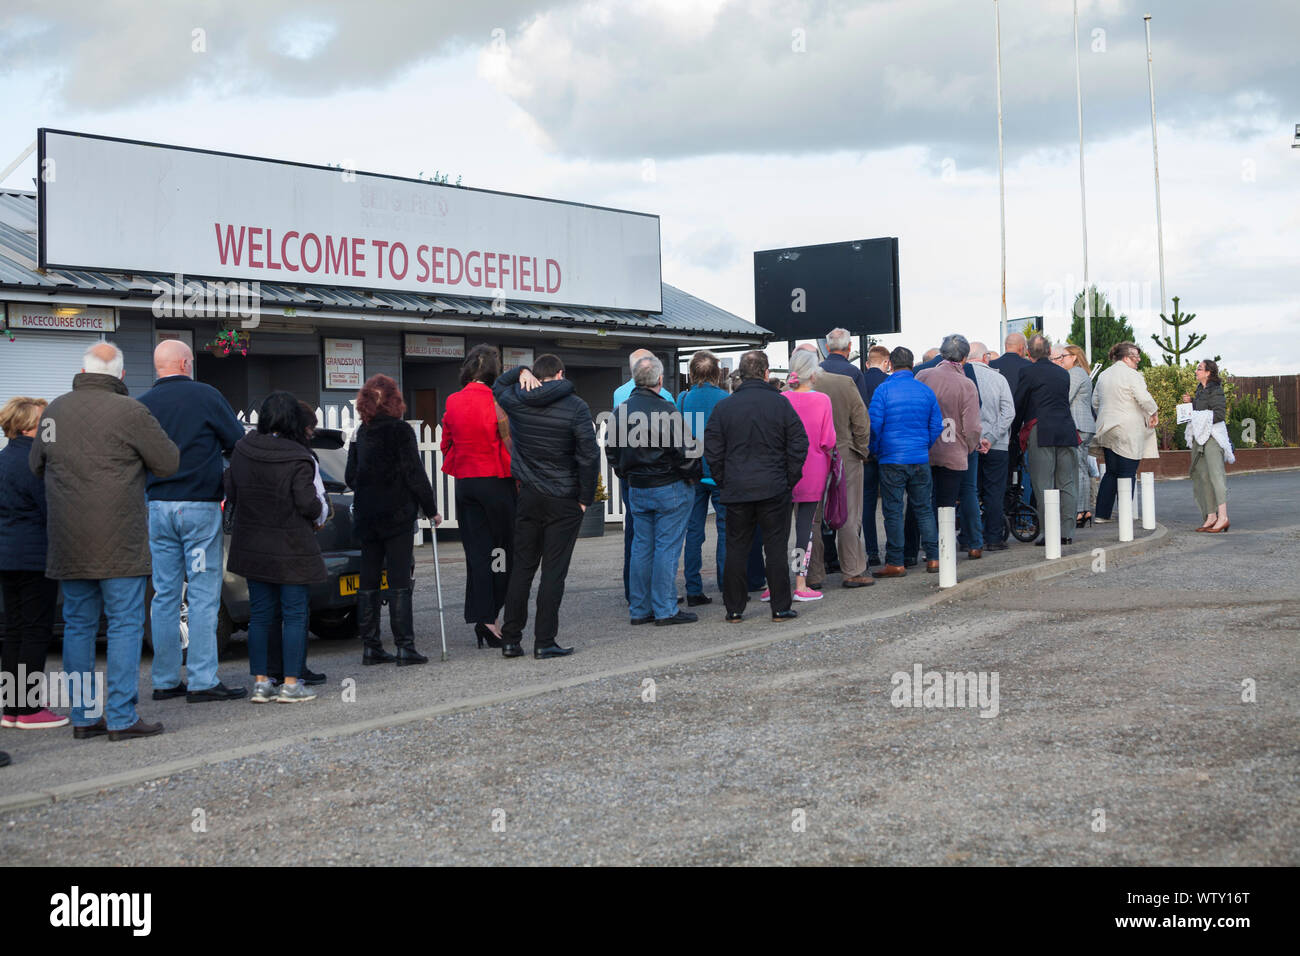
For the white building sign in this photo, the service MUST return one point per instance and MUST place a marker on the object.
(122, 206)
(512, 357)
(345, 363)
(61, 318)
(434, 346)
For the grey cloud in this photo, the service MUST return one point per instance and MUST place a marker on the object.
(877, 75)
(108, 55)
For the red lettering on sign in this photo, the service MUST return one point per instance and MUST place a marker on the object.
(231, 245)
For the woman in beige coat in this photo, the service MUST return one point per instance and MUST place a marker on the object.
(1126, 421)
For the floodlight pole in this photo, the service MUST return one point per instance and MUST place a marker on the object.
(1155, 156)
(1002, 194)
(1083, 195)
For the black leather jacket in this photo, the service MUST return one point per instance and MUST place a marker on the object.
(646, 442)
(555, 451)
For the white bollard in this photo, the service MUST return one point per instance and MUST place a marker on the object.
(1052, 523)
(1125, 502)
(1148, 501)
(947, 547)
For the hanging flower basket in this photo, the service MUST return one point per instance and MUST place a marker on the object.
(229, 342)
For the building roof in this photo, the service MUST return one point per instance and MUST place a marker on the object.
(682, 314)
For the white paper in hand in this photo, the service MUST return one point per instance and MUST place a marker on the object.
(1183, 413)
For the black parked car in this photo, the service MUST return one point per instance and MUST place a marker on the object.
(333, 603)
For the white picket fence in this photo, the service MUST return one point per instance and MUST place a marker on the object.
(429, 442)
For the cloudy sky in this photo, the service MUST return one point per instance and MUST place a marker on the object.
(756, 124)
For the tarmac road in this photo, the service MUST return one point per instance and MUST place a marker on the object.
(1118, 691)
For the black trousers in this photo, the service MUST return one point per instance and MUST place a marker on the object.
(993, 489)
(546, 529)
(772, 518)
(395, 553)
(947, 486)
(29, 626)
(485, 509)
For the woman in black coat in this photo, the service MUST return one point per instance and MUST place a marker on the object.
(276, 500)
(29, 596)
(390, 488)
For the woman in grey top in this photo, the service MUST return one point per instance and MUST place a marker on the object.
(1208, 471)
(1073, 360)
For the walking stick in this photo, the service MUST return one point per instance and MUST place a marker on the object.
(437, 577)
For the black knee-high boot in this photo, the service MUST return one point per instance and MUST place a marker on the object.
(399, 618)
(368, 625)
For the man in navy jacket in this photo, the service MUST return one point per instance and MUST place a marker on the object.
(1042, 398)
(185, 537)
(838, 344)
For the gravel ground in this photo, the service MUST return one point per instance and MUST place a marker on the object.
(1119, 692)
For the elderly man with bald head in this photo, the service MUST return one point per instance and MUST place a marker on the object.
(185, 534)
(93, 448)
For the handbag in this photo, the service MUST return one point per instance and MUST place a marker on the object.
(837, 498)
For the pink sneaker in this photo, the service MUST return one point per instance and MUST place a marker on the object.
(807, 594)
(41, 720)
(9, 720)
(766, 595)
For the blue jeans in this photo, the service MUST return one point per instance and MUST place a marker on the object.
(870, 494)
(661, 515)
(968, 507)
(914, 482)
(122, 600)
(185, 538)
(292, 600)
(699, 516)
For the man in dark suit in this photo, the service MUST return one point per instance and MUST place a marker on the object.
(1042, 398)
(839, 343)
(1010, 364)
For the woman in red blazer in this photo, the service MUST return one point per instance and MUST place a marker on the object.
(476, 452)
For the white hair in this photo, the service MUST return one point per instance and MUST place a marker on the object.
(90, 362)
(838, 340)
(648, 371)
(803, 365)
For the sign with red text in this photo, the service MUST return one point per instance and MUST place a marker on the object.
(434, 346)
(512, 357)
(124, 206)
(345, 363)
(61, 318)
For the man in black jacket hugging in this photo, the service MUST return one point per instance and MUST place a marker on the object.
(755, 445)
(646, 444)
(555, 458)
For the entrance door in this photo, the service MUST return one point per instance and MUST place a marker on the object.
(426, 406)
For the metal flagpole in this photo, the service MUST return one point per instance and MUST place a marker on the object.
(1155, 156)
(1002, 194)
(1083, 195)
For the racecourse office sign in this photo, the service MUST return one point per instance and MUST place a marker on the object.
(124, 206)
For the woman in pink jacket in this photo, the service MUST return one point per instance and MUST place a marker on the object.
(814, 410)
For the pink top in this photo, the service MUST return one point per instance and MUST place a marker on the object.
(814, 410)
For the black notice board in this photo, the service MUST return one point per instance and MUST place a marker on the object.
(851, 285)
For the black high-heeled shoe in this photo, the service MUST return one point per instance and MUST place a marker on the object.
(1083, 520)
(485, 636)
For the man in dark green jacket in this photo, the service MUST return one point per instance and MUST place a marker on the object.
(92, 448)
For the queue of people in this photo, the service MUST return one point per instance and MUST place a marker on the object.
(102, 496)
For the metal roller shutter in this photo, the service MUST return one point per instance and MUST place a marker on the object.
(41, 364)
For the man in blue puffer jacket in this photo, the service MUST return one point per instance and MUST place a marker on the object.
(905, 422)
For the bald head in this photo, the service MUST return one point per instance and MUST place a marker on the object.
(1015, 343)
(637, 356)
(977, 350)
(173, 357)
(103, 358)
(929, 354)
